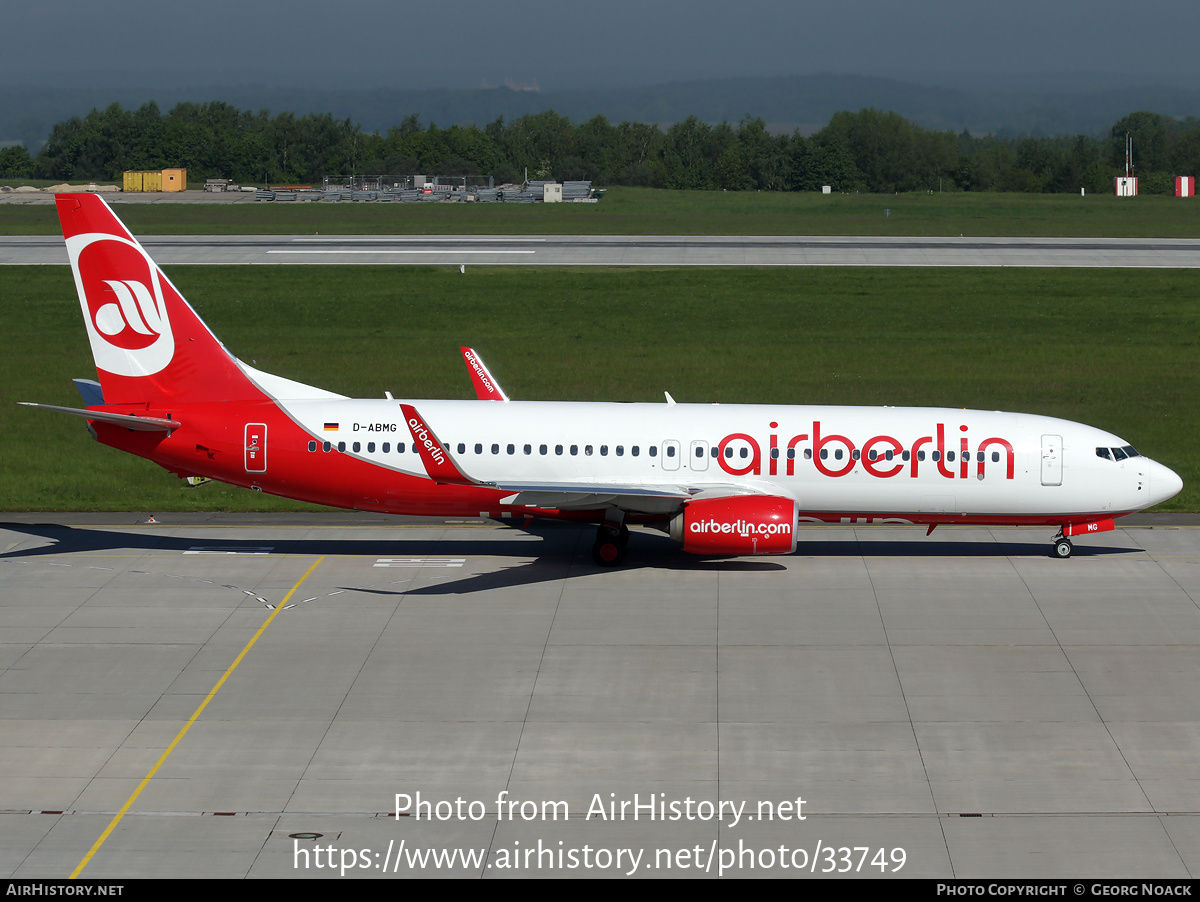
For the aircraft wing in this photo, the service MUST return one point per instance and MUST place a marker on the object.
(641, 498)
(138, 424)
(644, 499)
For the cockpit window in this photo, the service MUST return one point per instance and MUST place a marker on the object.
(1119, 454)
(1103, 452)
(1128, 449)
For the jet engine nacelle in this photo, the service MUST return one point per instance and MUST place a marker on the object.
(737, 524)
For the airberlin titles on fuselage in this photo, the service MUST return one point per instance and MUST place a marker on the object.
(883, 456)
(833, 454)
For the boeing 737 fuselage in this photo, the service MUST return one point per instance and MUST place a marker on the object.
(722, 479)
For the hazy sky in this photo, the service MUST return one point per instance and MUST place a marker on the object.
(396, 43)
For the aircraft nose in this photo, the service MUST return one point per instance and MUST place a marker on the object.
(1164, 483)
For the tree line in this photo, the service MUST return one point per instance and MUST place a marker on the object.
(870, 151)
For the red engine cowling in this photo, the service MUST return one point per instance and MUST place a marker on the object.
(737, 524)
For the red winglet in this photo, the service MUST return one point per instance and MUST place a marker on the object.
(434, 455)
(486, 386)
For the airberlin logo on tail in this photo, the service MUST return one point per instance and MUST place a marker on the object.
(121, 292)
(134, 321)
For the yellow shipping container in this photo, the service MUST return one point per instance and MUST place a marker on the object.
(155, 180)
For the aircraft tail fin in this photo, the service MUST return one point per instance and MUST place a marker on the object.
(149, 345)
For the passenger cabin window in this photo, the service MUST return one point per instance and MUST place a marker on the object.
(387, 446)
(312, 446)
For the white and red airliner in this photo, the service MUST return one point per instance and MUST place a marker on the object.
(721, 479)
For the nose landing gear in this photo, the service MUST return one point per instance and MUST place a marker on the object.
(1062, 546)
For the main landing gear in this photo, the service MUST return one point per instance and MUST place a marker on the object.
(609, 550)
(611, 539)
(1062, 546)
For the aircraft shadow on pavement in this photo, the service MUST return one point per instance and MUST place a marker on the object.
(557, 552)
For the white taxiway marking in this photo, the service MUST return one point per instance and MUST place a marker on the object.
(421, 250)
(246, 549)
(406, 240)
(419, 562)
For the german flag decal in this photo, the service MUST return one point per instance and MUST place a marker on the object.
(331, 427)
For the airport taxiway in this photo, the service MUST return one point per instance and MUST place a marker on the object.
(627, 250)
(963, 697)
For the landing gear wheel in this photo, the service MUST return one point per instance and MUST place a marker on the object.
(1063, 547)
(609, 549)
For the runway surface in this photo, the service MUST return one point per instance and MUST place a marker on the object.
(959, 705)
(624, 250)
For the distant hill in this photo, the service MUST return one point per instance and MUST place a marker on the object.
(785, 103)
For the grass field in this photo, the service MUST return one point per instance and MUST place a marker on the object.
(643, 211)
(1113, 348)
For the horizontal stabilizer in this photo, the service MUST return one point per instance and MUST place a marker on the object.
(138, 424)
